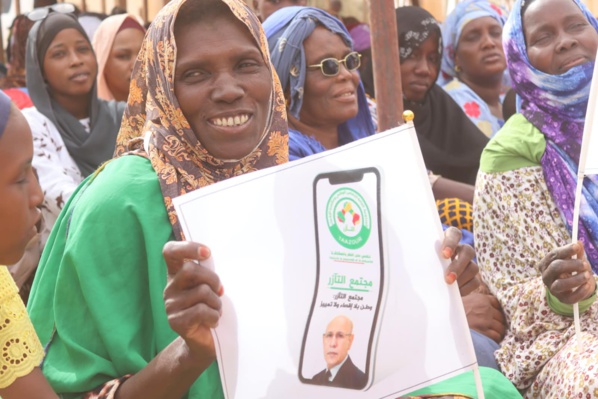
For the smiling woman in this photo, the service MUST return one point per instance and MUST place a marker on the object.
(313, 55)
(124, 302)
(213, 95)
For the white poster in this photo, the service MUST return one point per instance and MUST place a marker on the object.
(332, 276)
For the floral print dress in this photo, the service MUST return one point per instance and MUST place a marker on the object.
(58, 173)
(516, 223)
(474, 107)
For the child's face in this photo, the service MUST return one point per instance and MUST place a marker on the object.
(20, 193)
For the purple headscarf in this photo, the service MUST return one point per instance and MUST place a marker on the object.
(361, 36)
(556, 105)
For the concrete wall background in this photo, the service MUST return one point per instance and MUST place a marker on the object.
(356, 8)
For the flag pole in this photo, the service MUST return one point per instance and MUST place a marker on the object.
(387, 83)
(387, 70)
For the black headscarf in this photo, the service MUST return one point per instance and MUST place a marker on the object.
(451, 144)
(88, 150)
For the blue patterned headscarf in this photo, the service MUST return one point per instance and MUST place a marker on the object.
(286, 30)
(452, 27)
(556, 105)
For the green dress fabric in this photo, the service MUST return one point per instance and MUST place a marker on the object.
(518, 144)
(495, 385)
(119, 323)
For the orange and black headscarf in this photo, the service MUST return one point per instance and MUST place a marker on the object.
(154, 126)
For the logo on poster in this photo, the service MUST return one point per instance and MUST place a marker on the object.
(348, 218)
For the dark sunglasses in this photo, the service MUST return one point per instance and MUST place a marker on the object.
(40, 13)
(332, 66)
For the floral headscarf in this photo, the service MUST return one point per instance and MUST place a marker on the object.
(556, 105)
(153, 113)
(416, 26)
(452, 27)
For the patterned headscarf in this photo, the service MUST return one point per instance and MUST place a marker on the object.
(452, 27)
(556, 105)
(286, 30)
(181, 162)
(415, 25)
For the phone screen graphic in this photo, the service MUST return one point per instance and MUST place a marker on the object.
(339, 340)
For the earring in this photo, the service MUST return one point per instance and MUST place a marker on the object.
(457, 68)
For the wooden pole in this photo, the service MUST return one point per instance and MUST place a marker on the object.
(2, 56)
(145, 11)
(387, 71)
(18, 7)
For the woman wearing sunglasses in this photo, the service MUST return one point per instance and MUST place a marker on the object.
(314, 58)
(74, 132)
(327, 107)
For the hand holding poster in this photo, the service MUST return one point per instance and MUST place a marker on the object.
(333, 281)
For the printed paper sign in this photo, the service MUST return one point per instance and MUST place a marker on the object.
(349, 280)
(333, 282)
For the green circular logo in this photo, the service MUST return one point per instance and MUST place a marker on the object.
(348, 218)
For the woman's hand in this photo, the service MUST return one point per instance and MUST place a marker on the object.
(192, 296)
(569, 280)
(484, 314)
(462, 268)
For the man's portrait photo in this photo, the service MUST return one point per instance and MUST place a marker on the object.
(340, 370)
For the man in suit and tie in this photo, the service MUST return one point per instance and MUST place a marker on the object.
(340, 370)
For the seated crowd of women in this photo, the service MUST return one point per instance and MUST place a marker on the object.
(124, 298)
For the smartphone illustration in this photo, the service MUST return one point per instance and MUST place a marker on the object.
(339, 341)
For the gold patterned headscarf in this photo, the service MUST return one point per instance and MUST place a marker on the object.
(180, 160)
